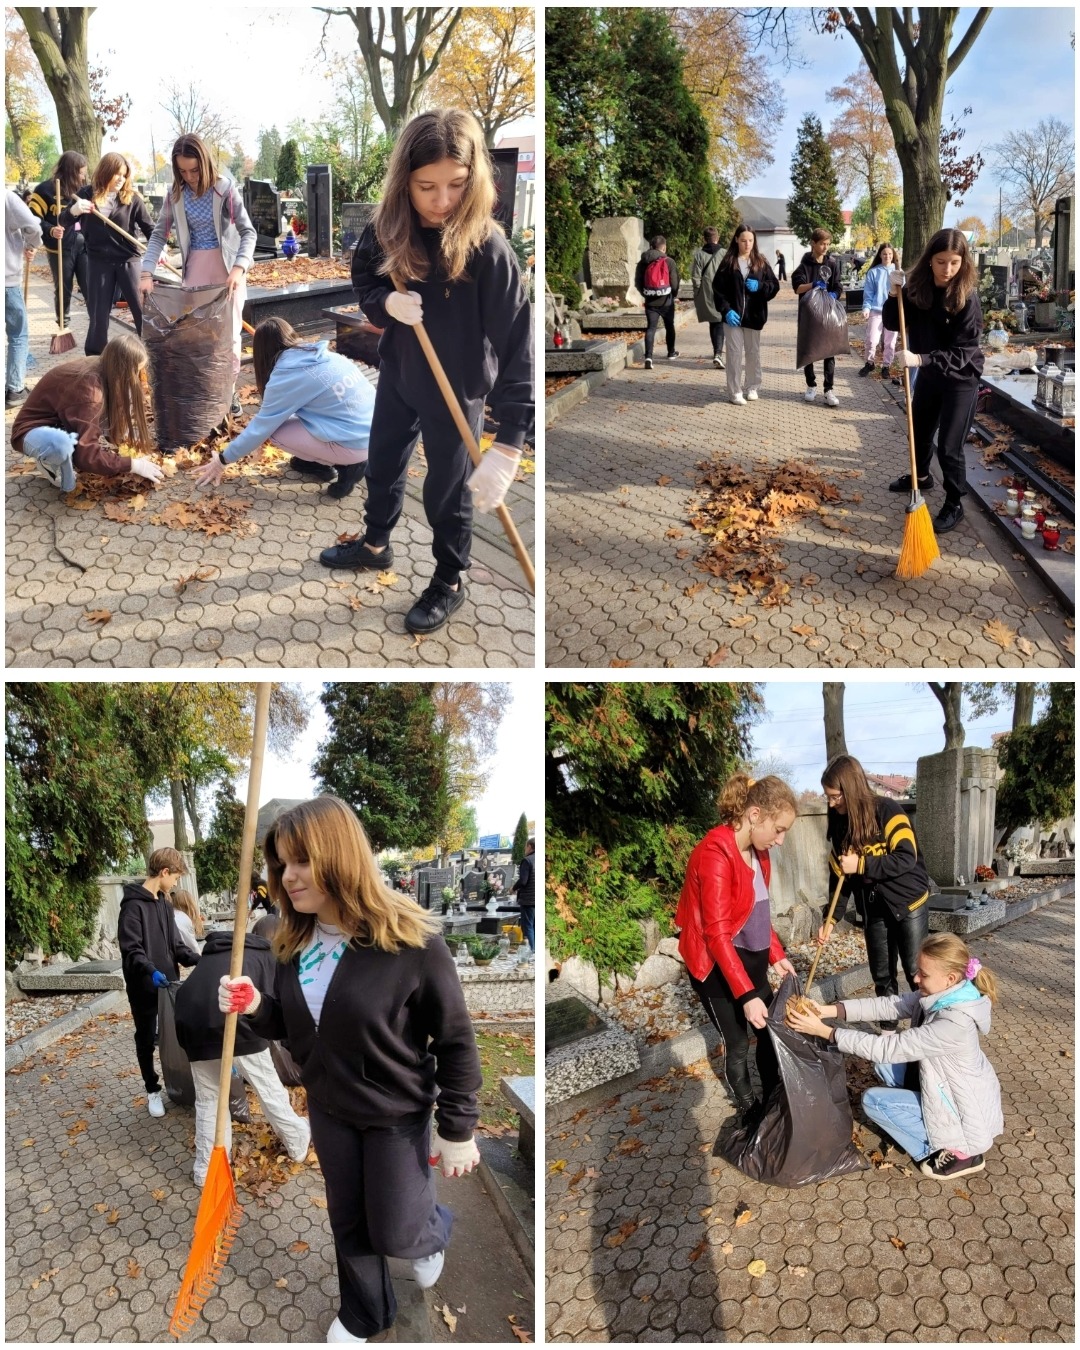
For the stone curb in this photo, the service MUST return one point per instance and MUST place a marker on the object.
(700, 1042)
(511, 1204)
(28, 1045)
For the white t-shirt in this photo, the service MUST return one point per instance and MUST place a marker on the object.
(318, 961)
(186, 929)
(744, 266)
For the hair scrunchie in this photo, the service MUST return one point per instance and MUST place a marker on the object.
(973, 968)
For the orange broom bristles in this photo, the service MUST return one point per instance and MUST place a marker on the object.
(920, 547)
(216, 1226)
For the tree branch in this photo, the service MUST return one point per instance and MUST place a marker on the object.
(967, 41)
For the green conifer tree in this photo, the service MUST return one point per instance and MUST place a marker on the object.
(290, 171)
(815, 199)
(521, 838)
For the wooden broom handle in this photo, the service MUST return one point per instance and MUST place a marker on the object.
(465, 431)
(243, 888)
(907, 393)
(59, 258)
(817, 954)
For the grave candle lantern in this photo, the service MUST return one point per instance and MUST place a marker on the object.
(1012, 502)
(1051, 535)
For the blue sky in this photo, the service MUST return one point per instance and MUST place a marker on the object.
(1021, 69)
(887, 726)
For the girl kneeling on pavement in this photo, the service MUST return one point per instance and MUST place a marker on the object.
(942, 1099)
(315, 403)
(744, 285)
(368, 997)
(79, 405)
(727, 938)
(944, 323)
(875, 293)
(434, 229)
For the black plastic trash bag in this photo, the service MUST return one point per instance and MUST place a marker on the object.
(823, 327)
(188, 335)
(287, 1068)
(176, 1067)
(805, 1134)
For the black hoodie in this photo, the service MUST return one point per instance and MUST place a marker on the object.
(200, 1023)
(657, 301)
(149, 941)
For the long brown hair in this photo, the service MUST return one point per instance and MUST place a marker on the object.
(272, 337)
(952, 952)
(442, 133)
(770, 795)
(67, 168)
(326, 833)
(108, 166)
(185, 902)
(120, 368)
(921, 286)
(881, 249)
(757, 260)
(193, 147)
(846, 775)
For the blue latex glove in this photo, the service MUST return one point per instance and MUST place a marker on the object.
(160, 981)
(820, 286)
(732, 319)
(751, 284)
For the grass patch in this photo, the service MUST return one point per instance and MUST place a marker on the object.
(502, 1054)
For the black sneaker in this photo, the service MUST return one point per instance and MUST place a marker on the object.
(867, 368)
(749, 1113)
(356, 554)
(648, 363)
(950, 515)
(945, 1166)
(322, 473)
(672, 355)
(903, 483)
(13, 397)
(347, 478)
(434, 607)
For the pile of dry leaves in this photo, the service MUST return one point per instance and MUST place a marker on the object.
(283, 272)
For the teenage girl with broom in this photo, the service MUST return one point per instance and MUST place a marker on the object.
(367, 996)
(434, 230)
(111, 262)
(65, 249)
(943, 320)
(727, 938)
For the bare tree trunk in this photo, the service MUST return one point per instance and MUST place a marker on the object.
(951, 698)
(191, 800)
(180, 834)
(59, 41)
(1023, 704)
(833, 694)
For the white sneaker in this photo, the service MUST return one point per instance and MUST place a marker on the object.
(299, 1157)
(200, 1181)
(751, 396)
(155, 1105)
(737, 398)
(648, 363)
(810, 395)
(338, 1332)
(428, 1269)
(831, 401)
(718, 362)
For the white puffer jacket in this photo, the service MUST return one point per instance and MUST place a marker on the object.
(958, 1088)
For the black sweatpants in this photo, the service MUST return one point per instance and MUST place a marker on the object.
(380, 1197)
(716, 333)
(102, 280)
(145, 1019)
(396, 426)
(888, 937)
(727, 1017)
(946, 406)
(828, 366)
(74, 259)
(652, 318)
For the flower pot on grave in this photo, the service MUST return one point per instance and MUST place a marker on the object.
(481, 962)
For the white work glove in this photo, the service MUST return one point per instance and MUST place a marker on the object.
(80, 206)
(490, 481)
(910, 359)
(405, 308)
(453, 1159)
(146, 468)
(238, 996)
(896, 281)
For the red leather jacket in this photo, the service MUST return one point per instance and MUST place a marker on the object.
(716, 900)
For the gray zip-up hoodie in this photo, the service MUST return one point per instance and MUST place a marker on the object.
(234, 229)
(958, 1088)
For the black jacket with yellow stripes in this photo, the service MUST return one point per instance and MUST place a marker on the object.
(891, 869)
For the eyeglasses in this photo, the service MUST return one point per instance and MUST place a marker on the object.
(834, 798)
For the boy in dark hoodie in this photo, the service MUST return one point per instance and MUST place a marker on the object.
(151, 949)
(200, 1029)
(819, 268)
(659, 295)
(706, 261)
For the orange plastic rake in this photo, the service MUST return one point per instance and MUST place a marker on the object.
(220, 1212)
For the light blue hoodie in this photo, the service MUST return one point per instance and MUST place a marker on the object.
(323, 389)
(876, 287)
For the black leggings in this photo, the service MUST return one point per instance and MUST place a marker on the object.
(888, 937)
(948, 407)
(727, 1017)
(103, 278)
(145, 1019)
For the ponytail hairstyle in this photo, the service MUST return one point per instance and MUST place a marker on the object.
(952, 952)
(770, 795)
(920, 286)
(185, 902)
(846, 775)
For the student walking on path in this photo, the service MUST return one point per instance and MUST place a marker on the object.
(657, 278)
(743, 287)
(702, 277)
(821, 269)
(781, 267)
(875, 293)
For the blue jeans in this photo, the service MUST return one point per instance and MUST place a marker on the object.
(17, 328)
(898, 1111)
(528, 926)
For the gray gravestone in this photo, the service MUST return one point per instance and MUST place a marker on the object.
(616, 244)
(429, 884)
(354, 220)
(320, 211)
(1064, 245)
(263, 204)
(472, 884)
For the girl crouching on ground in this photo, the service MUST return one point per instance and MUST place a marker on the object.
(315, 403)
(942, 1099)
(368, 997)
(727, 938)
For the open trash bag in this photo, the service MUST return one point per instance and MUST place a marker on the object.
(823, 327)
(188, 335)
(805, 1134)
(176, 1067)
(287, 1068)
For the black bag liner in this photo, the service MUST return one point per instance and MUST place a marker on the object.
(823, 329)
(188, 336)
(176, 1067)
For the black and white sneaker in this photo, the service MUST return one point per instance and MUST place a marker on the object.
(434, 607)
(648, 363)
(945, 1166)
(718, 362)
(672, 355)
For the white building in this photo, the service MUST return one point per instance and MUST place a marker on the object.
(767, 217)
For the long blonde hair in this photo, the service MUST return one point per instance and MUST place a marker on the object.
(442, 133)
(185, 902)
(952, 952)
(326, 833)
(120, 368)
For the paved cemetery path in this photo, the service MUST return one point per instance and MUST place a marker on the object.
(616, 587)
(101, 1203)
(268, 602)
(988, 1258)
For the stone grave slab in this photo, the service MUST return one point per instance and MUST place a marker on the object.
(965, 921)
(1048, 867)
(584, 1048)
(73, 979)
(520, 1092)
